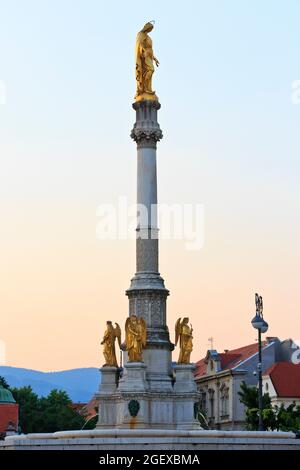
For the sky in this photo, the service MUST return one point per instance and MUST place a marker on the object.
(231, 143)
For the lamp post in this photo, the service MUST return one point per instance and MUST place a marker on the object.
(261, 325)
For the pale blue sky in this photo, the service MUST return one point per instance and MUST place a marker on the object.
(231, 138)
(224, 84)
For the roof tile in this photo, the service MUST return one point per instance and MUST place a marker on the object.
(285, 377)
(230, 359)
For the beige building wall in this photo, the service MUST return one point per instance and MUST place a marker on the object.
(220, 400)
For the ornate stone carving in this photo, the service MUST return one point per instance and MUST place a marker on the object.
(157, 310)
(148, 135)
(149, 304)
(134, 408)
(146, 130)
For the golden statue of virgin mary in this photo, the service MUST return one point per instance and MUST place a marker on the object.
(144, 67)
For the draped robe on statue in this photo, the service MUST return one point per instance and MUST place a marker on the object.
(144, 65)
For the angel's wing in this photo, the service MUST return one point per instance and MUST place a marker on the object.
(144, 331)
(117, 331)
(177, 330)
(127, 335)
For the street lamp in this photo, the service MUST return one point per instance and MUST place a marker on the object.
(262, 326)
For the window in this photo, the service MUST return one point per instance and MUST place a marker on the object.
(203, 402)
(224, 401)
(211, 411)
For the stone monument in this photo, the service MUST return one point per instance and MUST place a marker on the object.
(151, 392)
(150, 403)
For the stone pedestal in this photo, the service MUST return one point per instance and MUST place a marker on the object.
(134, 378)
(106, 410)
(134, 404)
(108, 386)
(109, 378)
(184, 378)
(187, 397)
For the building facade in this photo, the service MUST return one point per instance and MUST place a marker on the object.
(219, 376)
(282, 383)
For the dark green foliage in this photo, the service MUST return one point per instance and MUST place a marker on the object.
(279, 418)
(288, 418)
(91, 423)
(249, 398)
(46, 414)
(3, 382)
(29, 410)
(202, 418)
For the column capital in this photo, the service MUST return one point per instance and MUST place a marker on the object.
(146, 130)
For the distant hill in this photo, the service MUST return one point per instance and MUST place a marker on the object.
(80, 384)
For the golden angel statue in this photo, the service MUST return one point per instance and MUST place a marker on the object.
(144, 67)
(108, 342)
(184, 333)
(135, 337)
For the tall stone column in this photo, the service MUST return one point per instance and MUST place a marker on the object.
(147, 293)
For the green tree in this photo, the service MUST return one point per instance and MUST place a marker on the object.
(46, 414)
(58, 413)
(288, 419)
(3, 382)
(269, 419)
(29, 409)
(279, 418)
(249, 397)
